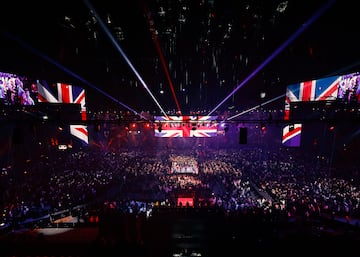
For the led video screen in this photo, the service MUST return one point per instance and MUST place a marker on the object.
(349, 89)
(17, 90)
(292, 135)
(66, 94)
(186, 126)
(312, 90)
(340, 89)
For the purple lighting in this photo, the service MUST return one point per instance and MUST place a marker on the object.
(50, 60)
(276, 52)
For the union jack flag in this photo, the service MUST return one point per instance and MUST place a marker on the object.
(185, 126)
(292, 135)
(65, 93)
(313, 90)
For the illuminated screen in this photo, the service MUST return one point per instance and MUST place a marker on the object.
(17, 90)
(323, 89)
(291, 136)
(186, 126)
(312, 90)
(67, 94)
(349, 89)
(344, 88)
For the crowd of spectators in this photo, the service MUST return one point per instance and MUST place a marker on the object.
(231, 179)
(132, 189)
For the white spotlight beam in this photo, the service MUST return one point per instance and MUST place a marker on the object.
(297, 33)
(117, 46)
(255, 107)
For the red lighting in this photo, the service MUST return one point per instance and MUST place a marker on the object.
(263, 127)
(185, 202)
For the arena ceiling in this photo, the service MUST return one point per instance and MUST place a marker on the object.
(183, 55)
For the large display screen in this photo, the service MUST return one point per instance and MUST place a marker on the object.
(344, 88)
(314, 90)
(69, 94)
(349, 89)
(17, 90)
(186, 126)
(292, 135)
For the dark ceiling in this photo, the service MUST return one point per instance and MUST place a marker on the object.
(188, 54)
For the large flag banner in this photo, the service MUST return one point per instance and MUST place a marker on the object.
(65, 93)
(313, 90)
(291, 136)
(185, 126)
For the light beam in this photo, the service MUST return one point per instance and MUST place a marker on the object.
(162, 58)
(255, 107)
(277, 51)
(50, 60)
(117, 46)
